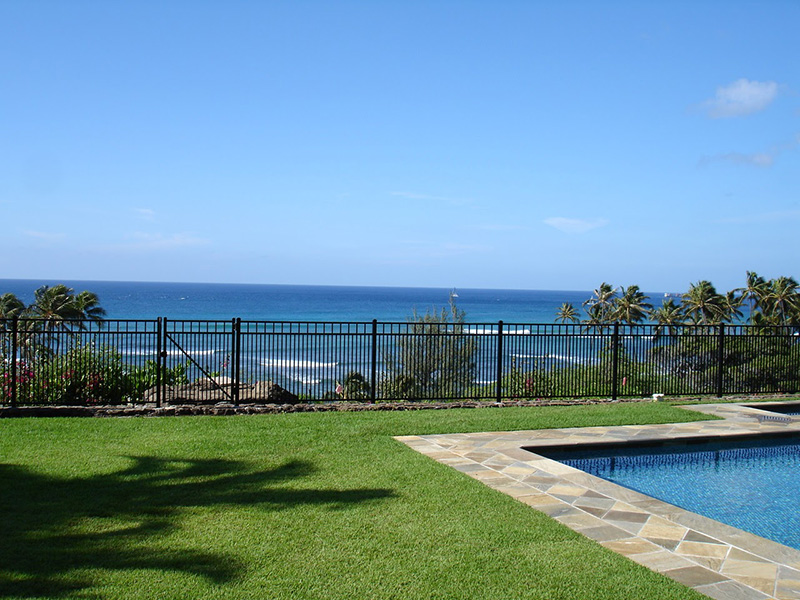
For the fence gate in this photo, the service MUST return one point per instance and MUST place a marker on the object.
(208, 351)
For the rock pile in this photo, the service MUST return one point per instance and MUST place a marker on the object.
(227, 408)
(220, 389)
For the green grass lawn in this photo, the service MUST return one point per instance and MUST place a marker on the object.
(293, 506)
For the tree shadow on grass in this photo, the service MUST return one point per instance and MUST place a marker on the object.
(53, 528)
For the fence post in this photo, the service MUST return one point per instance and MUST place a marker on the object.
(720, 358)
(237, 358)
(14, 362)
(374, 374)
(162, 359)
(615, 361)
(158, 361)
(499, 361)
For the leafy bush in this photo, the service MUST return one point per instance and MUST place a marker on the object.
(83, 375)
(533, 383)
(86, 375)
(141, 379)
(354, 386)
(433, 359)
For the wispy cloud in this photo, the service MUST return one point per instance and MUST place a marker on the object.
(415, 196)
(740, 98)
(575, 225)
(755, 159)
(45, 235)
(765, 217)
(758, 159)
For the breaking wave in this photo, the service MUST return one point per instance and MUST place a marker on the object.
(297, 364)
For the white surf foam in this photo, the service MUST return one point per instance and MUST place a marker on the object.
(492, 331)
(289, 363)
(305, 381)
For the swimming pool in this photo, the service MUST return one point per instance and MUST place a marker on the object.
(782, 408)
(752, 483)
(719, 560)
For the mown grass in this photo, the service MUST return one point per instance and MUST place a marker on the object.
(292, 506)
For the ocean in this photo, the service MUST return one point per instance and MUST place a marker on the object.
(149, 300)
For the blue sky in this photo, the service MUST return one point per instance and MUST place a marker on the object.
(499, 144)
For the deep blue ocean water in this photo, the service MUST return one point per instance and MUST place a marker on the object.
(752, 485)
(142, 300)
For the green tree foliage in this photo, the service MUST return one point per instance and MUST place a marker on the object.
(732, 306)
(630, 306)
(567, 313)
(354, 386)
(85, 375)
(60, 307)
(434, 358)
(781, 303)
(10, 307)
(754, 292)
(703, 305)
(667, 317)
(600, 308)
(56, 304)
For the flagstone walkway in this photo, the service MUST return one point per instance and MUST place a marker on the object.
(717, 560)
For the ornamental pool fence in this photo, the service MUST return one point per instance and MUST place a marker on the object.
(133, 361)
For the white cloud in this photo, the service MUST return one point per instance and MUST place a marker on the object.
(740, 98)
(575, 225)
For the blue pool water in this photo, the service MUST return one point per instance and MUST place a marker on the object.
(783, 409)
(752, 485)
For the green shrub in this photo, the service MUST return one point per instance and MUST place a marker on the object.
(87, 375)
(434, 359)
(83, 375)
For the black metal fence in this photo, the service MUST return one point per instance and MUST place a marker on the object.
(163, 360)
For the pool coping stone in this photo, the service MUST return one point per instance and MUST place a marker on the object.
(718, 560)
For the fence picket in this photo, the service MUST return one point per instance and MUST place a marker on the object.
(390, 360)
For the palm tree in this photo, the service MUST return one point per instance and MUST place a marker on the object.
(755, 291)
(702, 304)
(668, 316)
(11, 306)
(88, 306)
(731, 304)
(631, 307)
(56, 303)
(782, 300)
(567, 313)
(60, 303)
(52, 310)
(599, 307)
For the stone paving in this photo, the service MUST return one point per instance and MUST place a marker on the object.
(715, 559)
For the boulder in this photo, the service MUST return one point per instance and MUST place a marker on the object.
(267, 392)
(220, 389)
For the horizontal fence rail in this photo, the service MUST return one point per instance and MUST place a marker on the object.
(174, 361)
